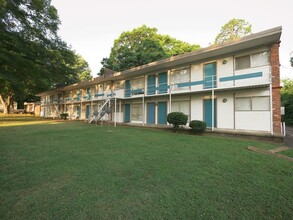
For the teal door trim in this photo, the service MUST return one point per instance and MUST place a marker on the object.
(127, 113)
(127, 88)
(210, 75)
(78, 108)
(151, 88)
(207, 111)
(87, 111)
(162, 113)
(162, 81)
(151, 110)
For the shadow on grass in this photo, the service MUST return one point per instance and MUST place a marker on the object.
(24, 120)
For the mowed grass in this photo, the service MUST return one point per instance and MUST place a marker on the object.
(73, 170)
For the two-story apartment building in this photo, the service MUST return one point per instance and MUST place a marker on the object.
(232, 86)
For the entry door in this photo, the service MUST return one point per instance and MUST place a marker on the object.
(127, 88)
(88, 93)
(151, 84)
(162, 113)
(162, 78)
(78, 111)
(87, 111)
(151, 118)
(210, 74)
(208, 112)
(127, 113)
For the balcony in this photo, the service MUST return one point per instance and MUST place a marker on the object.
(67, 100)
(86, 98)
(76, 99)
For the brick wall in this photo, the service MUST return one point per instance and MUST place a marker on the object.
(275, 68)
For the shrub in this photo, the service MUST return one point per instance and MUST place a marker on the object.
(64, 116)
(177, 119)
(198, 126)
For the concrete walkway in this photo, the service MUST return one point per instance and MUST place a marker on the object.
(289, 137)
(279, 149)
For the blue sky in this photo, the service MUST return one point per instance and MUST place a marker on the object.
(91, 26)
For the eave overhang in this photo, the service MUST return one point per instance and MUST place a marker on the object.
(260, 39)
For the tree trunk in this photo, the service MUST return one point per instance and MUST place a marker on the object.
(7, 104)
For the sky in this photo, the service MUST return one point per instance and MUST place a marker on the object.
(91, 26)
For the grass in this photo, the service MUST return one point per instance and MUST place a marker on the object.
(288, 152)
(73, 170)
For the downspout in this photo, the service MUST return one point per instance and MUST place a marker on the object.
(271, 105)
(143, 114)
(115, 118)
(170, 92)
(213, 105)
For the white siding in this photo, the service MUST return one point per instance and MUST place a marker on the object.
(253, 120)
(225, 70)
(255, 80)
(225, 111)
(196, 75)
(196, 112)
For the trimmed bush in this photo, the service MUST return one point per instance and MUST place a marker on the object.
(177, 119)
(198, 126)
(64, 116)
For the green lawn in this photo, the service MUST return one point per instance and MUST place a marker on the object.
(73, 170)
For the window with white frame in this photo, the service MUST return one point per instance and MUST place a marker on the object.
(137, 86)
(261, 103)
(180, 76)
(181, 106)
(107, 87)
(252, 60)
(119, 85)
(256, 103)
(136, 112)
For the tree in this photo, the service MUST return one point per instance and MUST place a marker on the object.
(287, 100)
(234, 29)
(32, 56)
(81, 67)
(177, 119)
(143, 45)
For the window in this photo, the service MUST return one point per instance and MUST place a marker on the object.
(242, 62)
(51, 99)
(243, 104)
(183, 106)
(258, 103)
(180, 76)
(119, 85)
(260, 59)
(136, 112)
(253, 60)
(107, 87)
(137, 86)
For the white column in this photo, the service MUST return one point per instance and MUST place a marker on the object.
(115, 111)
(213, 106)
(143, 115)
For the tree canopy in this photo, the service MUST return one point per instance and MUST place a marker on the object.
(143, 45)
(287, 100)
(233, 29)
(33, 58)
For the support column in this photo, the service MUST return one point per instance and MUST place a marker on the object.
(143, 114)
(276, 97)
(115, 112)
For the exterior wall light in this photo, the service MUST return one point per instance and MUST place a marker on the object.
(224, 100)
(224, 62)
